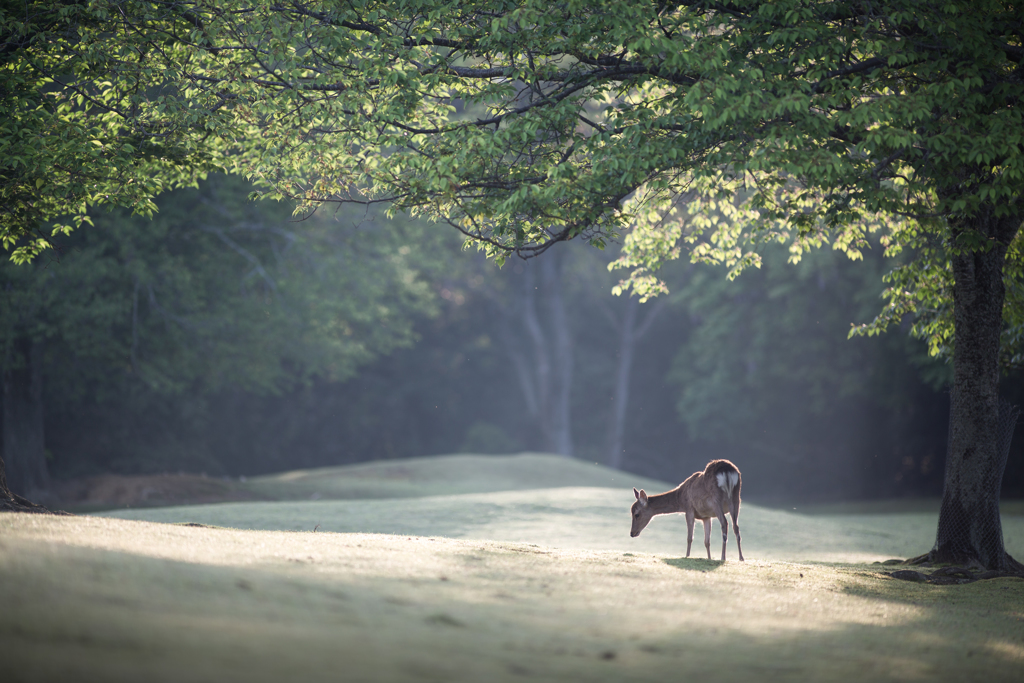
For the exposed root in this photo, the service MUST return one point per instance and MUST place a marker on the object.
(920, 560)
(970, 571)
(12, 502)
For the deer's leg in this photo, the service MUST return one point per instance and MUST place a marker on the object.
(725, 532)
(707, 535)
(689, 532)
(736, 528)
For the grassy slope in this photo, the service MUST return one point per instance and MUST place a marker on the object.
(441, 475)
(110, 599)
(542, 500)
(581, 518)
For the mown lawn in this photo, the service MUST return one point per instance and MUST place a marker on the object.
(524, 584)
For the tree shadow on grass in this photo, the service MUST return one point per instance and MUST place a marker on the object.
(693, 563)
(990, 596)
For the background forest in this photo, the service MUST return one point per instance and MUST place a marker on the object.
(227, 338)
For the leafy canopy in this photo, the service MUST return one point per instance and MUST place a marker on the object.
(94, 111)
(524, 123)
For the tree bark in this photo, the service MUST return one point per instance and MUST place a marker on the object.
(23, 447)
(969, 529)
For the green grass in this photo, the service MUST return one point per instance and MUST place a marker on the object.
(580, 518)
(540, 584)
(441, 475)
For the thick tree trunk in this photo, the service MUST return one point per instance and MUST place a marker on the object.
(969, 529)
(23, 448)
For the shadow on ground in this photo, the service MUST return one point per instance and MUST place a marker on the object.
(693, 564)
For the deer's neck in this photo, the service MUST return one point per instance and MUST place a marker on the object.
(664, 503)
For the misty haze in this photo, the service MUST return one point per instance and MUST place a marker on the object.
(225, 340)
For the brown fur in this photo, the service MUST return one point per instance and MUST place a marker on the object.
(699, 497)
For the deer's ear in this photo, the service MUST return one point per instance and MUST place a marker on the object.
(642, 497)
(636, 493)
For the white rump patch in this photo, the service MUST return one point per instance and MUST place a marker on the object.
(727, 481)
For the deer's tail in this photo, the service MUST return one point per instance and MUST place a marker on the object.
(729, 480)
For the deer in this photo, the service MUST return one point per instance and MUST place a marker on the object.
(703, 495)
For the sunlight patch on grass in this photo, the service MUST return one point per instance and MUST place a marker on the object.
(1007, 650)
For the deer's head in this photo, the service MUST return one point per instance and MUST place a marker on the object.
(641, 512)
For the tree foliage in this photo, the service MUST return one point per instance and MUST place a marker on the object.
(773, 339)
(526, 123)
(93, 112)
(217, 292)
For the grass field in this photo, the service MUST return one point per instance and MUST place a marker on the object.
(536, 579)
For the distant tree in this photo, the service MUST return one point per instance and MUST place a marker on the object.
(766, 374)
(542, 313)
(771, 340)
(535, 331)
(528, 317)
(215, 292)
(630, 321)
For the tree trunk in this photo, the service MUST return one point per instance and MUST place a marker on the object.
(630, 333)
(23, 447)
(541, 350)
(969, 530)
(620, 399)
(21, 435)
(560, 428)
